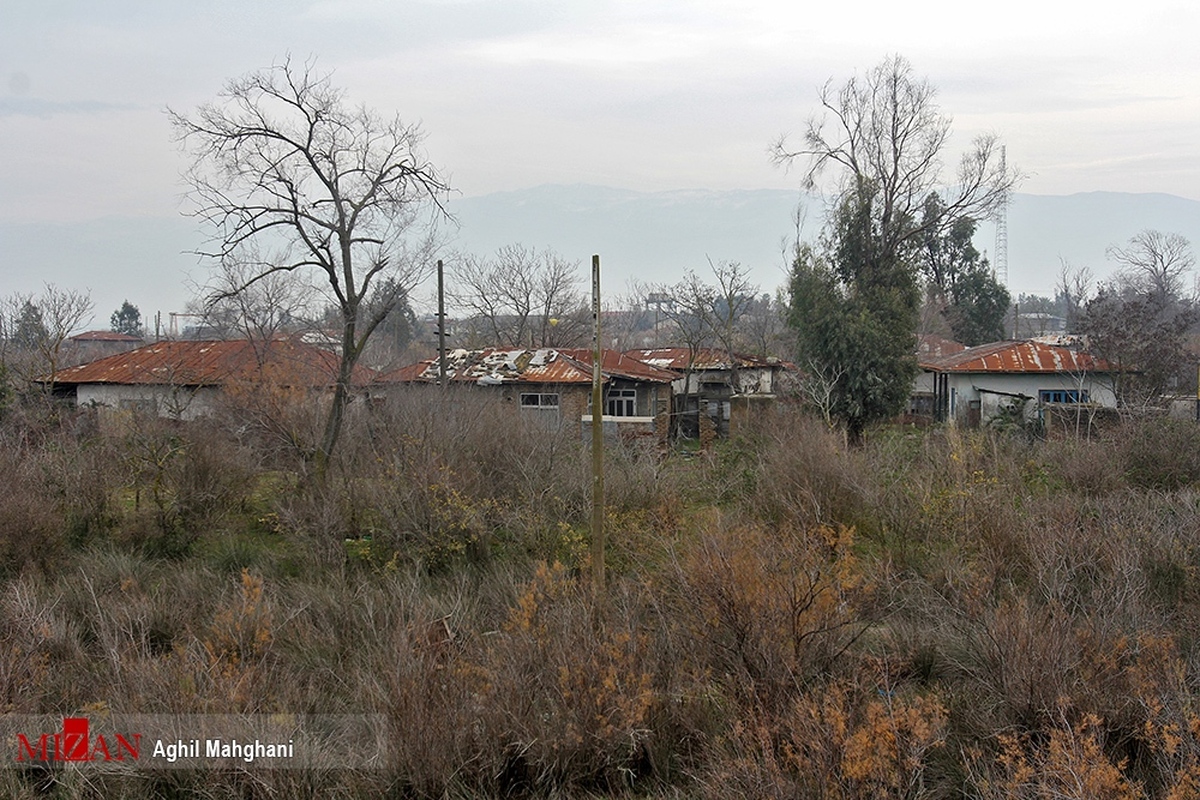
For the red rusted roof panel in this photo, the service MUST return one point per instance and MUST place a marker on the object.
(212, 363)
(104, 336)
(1029, 356)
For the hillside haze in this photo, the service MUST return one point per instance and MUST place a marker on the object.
(648, 237)
(658, 236)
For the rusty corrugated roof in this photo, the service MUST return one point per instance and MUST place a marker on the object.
(622, 365)
(212, 363)
(1028, 356)
(104, 336)
(931, 346)
(495, 366)
(677, 358)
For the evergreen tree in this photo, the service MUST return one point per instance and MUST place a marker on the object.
(29, 330)
(854, 312)
(128, 320)
(959, 280)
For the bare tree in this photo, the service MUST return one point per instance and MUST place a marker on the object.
(34, 329)
(1156, 262)
(707, 315)
(520, 298)
(763, 326)
(734, 297)
(235, 304)
(819, 387)
(889, 132)
(283, 162)
(1139, 321)
(1073, 287)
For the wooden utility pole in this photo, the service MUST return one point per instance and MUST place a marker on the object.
(597, 438)
(441, 327)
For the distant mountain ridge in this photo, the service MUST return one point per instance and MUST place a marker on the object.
(656, 236)
(647, 236)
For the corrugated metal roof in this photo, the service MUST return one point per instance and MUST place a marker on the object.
(706, 358)
(932, 346)
(542, 365)
(104, 336)
(212, 363)
(1029, 356)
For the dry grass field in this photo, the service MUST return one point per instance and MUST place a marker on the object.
(937, 613)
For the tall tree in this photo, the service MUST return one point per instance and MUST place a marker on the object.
(29, 328)
(1154, 262)
(284, 164)
(128, 320)
(958, 279)
(398, 327)
(855, 316)
(885, 146)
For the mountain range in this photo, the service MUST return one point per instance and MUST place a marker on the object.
(657, 236)
(650, 237)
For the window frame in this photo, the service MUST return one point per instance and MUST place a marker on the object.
(1063, 396)
(542, 401)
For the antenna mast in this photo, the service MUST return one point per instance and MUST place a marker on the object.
(1000, 266)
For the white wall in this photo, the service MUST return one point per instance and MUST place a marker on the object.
(175, 402)
(966, 386)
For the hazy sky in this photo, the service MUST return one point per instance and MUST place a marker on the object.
(639, 94)
(644, 94)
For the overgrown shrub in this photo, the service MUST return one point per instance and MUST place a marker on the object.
(1160, 454)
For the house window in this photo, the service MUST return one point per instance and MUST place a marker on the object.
(1063, 396)
(540, 401)
(621, 403)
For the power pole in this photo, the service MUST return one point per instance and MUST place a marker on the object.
(597, 439)
(441, 326)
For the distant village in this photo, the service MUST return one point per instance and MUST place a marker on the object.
(681, 364)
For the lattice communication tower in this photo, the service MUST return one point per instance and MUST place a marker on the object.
(1000, 265)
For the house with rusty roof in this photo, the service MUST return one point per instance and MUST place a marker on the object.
(91, 345)
(976, 384)
(185, 379)
(714, 389)
(553, 386)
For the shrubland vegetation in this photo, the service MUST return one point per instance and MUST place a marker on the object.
(937, 613)
(930, 613)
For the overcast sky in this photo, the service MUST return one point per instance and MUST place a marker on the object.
(639, 94)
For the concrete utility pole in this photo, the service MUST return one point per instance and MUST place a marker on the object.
(597, 439)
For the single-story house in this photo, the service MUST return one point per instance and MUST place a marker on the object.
(91, 345)
(554, 385)
(977, 384)
(185, 379)
(711, 380)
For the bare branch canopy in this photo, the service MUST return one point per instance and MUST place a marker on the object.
(283, 164)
